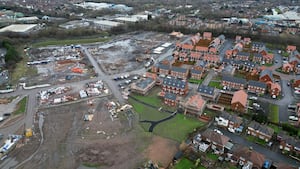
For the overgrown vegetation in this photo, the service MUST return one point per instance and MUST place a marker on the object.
(12, 57)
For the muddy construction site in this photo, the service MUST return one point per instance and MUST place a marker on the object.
(71, 142)
(128, 52)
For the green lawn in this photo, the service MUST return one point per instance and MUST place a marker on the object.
(212, 156)
(69, 41)
(273, 113)
(147, 113)
(256, 140)
(268, 64)
(178, 127)
(21, 107)
(276, 129)
(196, 81)
(186, 164)
(215, 84)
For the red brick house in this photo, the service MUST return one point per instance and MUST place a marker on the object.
(187, 47)
(163, 69)
(244, 56)
(201, 49)
(289, 143)
(179, 72)
(228, 54)
(207, 36)
(217, 141)
(261, 131)
(170, 99)
(233, 82)
(213, 50)
(245, 156)
(257, 46)
(196, 74)
(211, 58)
(266, 76)
(194, 56)
(296, 82)
(239, 101)
(247, 41)
(268, 58)
(291, 48)
(287, 67)
(173, 85)
(275, 89)
(257, 57)
(256, 87)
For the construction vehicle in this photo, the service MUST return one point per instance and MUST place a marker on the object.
(28, 132)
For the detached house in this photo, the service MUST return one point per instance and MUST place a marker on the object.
(239, 101)
(266, 76)
(194, 105)
(291, 48)
(261, 131)
(246, 157)
(268, 58)
(219, 143)
(176, 86)
(275, 89)
(287, 67)
(256, 87)
(233, 82)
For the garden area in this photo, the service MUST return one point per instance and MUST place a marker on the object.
(273, 113)
(215, 84)
(21, 107)
(176, 128)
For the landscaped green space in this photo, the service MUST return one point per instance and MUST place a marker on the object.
(21, 106)
(215, 84)
(69, 41)
(276, 129)
(268, 64)
(256, 140)
(178, 127)
(273, 113)
(196, 81)
(186, 164)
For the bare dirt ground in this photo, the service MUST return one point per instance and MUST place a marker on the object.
(161, 150)
(70, 142)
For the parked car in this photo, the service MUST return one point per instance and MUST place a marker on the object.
(293, 118)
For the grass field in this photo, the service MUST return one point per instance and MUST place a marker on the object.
(186, 164)
(273, 113)
(212, 156)
(215, 84)
(178, 127)
(69, 41)
(21, 106)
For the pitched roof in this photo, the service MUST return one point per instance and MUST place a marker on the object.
(243, 54)
(250, 155)
(203, 89)
(258, 44)
(247, 63)
(291, 48)
(187, 46)
(195, 71)
(215, 137)
(266, 72)
(179, 69)
(143, 83)
(275, 86)
(234, 79)
(257, 84)
(241, 97)
(170, 96)
(231, 117)
(173, 82)
(257, 55)
(261, 128)
(163, 66)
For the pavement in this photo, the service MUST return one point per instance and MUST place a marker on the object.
(269, 154)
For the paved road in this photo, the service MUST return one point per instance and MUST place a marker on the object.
(209, 76)
(269, 154)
